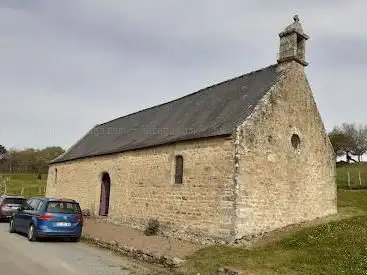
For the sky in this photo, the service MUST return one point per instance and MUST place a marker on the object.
(68, 65)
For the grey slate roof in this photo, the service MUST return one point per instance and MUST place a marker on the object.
(209, 112)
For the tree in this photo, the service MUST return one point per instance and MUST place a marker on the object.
(29, 160)
(349, 131)
(338, 141)
(3, 151)
(360, 141)
(349, 139)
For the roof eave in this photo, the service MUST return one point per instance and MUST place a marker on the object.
(228, 135)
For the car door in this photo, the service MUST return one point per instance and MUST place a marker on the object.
(18, 217)
(29, 213)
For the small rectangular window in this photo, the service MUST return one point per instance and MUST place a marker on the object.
(179, 170)
(55, 180)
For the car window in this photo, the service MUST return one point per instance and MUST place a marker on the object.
(31, 204)
(63, 207)
(14, 201)
(34, 204)
(28, 204)
(39, 206)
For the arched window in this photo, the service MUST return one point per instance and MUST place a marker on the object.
(296, 141)
(179, 170)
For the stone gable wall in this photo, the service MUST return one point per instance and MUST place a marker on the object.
(278, 185)
(142, 186)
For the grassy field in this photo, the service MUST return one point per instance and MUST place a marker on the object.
(337, 247)
(357, 175)
(31, 185)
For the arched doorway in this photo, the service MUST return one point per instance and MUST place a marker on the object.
(104, 201)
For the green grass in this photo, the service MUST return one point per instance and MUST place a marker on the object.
(352, 202)
(31, 185)
(337, 247)
(356, 171)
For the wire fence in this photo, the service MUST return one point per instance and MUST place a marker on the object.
(351, 178)
(23, 190)
(12, 187)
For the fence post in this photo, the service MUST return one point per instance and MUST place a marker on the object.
(39, 190)
(5, 189)
(359, 176)
(348, 179)
(22, 191)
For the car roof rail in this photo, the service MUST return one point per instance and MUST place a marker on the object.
(61, 199)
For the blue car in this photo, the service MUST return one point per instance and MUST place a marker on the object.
(41, 217)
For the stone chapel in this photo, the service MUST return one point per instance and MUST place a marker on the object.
(241, 157)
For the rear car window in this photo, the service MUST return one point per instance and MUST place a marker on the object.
(63, 207)
(14, 201)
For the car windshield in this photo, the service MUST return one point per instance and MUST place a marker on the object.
(64, 207)
(14, 201)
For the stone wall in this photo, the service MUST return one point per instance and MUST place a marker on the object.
(142, 186)
(278, 184)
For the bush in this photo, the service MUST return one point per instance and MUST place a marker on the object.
(152, 228)
(86, 213)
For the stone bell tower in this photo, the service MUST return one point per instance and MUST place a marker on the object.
(292, 43)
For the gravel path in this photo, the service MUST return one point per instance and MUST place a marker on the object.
(18, 256)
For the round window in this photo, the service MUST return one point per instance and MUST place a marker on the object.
(295, 140)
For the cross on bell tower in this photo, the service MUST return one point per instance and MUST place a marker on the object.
(292, 43)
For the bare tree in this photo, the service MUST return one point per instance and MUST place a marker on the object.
(342, 139)
(360, 141)
(338, 141)
(3, 151)
(349, 139)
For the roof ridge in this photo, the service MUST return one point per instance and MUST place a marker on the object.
(198, 91)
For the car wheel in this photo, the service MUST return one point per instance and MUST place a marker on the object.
(31, 233)
(11, 226)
